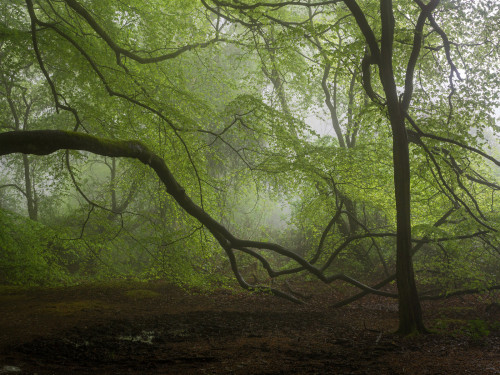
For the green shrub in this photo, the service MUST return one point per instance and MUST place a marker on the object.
(25, 252)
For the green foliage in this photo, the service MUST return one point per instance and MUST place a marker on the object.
(477, 328)
(28, 253)
(474, 329)
(232, 120)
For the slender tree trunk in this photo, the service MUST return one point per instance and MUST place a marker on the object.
(112, 182)
(31, 200)
(30, 193)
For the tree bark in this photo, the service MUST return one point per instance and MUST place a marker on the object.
(410, 313)
(31, 200)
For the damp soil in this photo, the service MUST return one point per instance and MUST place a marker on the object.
(157, 328)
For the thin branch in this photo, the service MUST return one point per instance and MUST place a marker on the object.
(325, 233)
(365, 29)
(111, 92)
(391, 278)
(15, 187)
(256, 288)
(273, 6)
(419, 133)
(122, 51)
(460, 293)
(41, 64)
(417, 44)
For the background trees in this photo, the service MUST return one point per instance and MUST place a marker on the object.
(225, 93)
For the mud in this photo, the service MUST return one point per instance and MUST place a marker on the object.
(131, 328)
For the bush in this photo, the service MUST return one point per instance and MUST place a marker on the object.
(25, 252)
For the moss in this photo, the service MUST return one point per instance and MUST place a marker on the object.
(142, 294)
(457, 309)
(12, 289)
(412, 335)
(475, 328)
(449, 323)
(103, 146)
(68, 308)
(6, 298)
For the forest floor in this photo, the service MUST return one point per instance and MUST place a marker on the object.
(156, 328)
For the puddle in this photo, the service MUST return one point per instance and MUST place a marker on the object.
(76, 344)
(145, 337)
(9, 369)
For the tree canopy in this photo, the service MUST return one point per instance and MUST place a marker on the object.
(368, 126)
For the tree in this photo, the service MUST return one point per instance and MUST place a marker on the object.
(380, 53)
(127, 84)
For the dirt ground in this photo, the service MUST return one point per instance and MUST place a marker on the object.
(156, 328)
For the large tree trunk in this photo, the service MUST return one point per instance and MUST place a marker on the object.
(410, 313)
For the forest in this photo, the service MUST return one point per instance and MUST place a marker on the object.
(250, 186)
